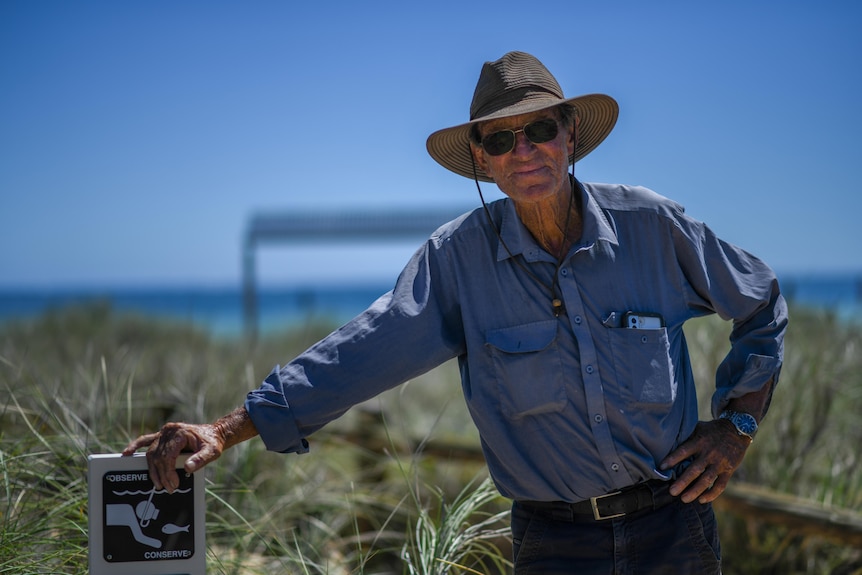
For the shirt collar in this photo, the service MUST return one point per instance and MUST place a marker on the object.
(518, 239)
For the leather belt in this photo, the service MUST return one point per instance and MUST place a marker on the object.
(649, 495)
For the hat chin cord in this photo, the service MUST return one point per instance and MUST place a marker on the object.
(557, 307)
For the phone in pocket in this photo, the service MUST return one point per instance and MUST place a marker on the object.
(642, 320)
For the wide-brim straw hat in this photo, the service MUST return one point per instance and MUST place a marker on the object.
(517, 84)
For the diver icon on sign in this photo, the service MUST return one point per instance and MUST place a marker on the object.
(143, 513)
(160, 524)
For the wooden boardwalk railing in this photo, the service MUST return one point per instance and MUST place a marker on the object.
(801, 516)
(796, 514)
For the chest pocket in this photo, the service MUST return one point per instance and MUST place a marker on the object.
(643, 366)
(527, 368)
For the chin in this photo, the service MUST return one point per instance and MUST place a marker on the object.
(533, 193)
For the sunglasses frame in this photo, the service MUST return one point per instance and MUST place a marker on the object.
(515, 135)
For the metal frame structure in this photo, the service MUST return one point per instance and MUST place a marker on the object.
(265, 228)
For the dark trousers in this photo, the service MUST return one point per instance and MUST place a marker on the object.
(678, 539)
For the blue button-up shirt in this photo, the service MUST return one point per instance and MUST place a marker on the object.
(567, 407)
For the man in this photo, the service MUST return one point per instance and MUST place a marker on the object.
(564, 304)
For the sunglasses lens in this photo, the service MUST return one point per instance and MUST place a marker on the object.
(499, 143)
(541, 131)
(502, 142)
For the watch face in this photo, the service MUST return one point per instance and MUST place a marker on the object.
(745, 423)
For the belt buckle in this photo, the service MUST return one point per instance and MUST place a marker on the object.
(594, 504)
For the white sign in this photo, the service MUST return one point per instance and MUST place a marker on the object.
(136, 529)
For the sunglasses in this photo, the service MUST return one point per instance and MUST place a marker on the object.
(503, 142)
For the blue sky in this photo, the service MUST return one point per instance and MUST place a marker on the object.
(136, 138)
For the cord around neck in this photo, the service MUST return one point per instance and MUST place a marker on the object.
(557, 306)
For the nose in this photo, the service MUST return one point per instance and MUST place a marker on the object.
(523, 145)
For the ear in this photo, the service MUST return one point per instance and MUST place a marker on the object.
(479, 157)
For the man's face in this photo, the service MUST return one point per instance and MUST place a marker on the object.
(529, 172)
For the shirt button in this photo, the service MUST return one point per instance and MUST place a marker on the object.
(564, 271)
(598, 418)
(578, 319)
(615, 466)
(644, 339)
(589, 369)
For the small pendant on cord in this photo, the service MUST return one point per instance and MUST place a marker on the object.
(558, 306)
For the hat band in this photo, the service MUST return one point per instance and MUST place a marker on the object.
(527, 98)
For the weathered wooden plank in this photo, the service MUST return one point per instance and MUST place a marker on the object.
(800, 515)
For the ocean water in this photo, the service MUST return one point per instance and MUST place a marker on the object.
(217, 310)
(220, 310)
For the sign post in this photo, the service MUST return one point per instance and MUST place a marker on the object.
(138, 530)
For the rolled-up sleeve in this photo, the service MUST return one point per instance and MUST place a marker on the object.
(756, 353)
(740, 287)
(270, 412)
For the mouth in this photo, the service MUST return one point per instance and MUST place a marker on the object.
(529, 171)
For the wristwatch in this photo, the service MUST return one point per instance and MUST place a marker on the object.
(744, 423)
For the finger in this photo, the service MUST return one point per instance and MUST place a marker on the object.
(206, 455)
(142, 441)
(154, 468)
(162, 458)
(678, 455)
(163, 472)
(673, 459)
(689, 476)
(717, 489)
(698, 488)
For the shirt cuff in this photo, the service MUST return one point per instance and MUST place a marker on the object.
(273, 418)
(759, 370)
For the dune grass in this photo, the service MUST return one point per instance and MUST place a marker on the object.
(86, 380)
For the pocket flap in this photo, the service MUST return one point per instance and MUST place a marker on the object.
(523, 338)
